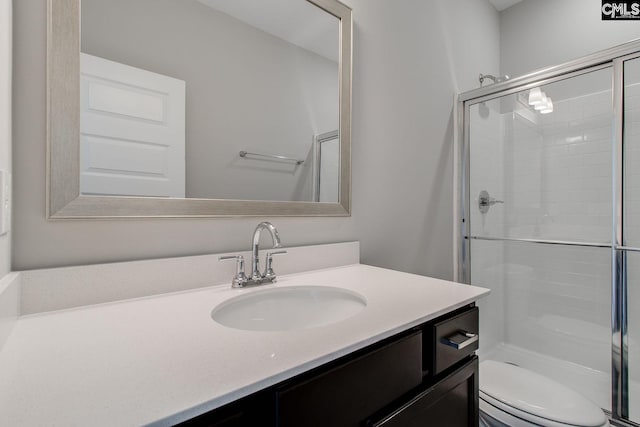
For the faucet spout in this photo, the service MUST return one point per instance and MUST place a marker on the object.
(255, 262)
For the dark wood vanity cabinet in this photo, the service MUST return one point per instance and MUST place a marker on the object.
(416, 378)
(350, 392)
(452, 401)
(256, 410)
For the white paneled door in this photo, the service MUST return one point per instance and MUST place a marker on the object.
(132, 131)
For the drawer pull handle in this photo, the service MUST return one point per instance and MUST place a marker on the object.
(460, 340)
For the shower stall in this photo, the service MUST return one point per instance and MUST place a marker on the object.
(549, 218)
(326, 167)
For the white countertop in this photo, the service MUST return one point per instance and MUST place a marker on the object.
(161, 360)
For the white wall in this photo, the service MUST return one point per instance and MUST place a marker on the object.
(410, 57)
(5, 116)
(235, 74)
(541, 33)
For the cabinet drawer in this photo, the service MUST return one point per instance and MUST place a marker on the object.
(450, 340)
(348, 393)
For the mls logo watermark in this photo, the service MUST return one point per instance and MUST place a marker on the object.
(620, 10)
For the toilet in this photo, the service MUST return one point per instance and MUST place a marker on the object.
(516, 397)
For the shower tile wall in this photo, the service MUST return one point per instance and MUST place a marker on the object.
(559, 303)
(554, 174)
(487, 148)
(553, 171)
(576, 185)
(486, 142)
(524, 211)
(568, 309)
(632, 224)
(633, 339)
(632, 162)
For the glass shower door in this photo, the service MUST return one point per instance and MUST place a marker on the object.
(540, 228)
(627, 344)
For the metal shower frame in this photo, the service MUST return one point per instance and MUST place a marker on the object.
(613, 58)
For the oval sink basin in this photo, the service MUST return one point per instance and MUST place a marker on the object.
(290, 308)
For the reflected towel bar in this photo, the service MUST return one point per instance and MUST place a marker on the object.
(271, 156)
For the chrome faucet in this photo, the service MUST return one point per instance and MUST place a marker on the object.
(255, 261)
(240, 280)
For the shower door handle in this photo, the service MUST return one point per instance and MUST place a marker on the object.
(485, 201)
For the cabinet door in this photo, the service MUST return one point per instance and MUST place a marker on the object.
(347, 394)
(452, 402)
(258, 409)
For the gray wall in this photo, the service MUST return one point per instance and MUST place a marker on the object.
(235, 74)
(411, 56)
(5, 117)
(539, 33)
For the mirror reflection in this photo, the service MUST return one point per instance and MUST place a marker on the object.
(215, 99)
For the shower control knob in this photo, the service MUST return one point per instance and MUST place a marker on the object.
(485, 201)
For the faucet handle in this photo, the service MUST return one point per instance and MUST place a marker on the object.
(269, 274)
(240, 279)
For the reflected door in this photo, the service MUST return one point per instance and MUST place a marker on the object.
(132, 131)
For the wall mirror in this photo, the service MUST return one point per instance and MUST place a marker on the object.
(196, 108)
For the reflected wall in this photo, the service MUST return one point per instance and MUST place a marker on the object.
(246, 89)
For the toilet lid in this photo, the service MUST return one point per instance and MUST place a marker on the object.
(537, 395)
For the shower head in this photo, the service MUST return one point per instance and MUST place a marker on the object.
(494, 78)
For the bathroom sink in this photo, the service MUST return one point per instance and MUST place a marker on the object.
(289, 308)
